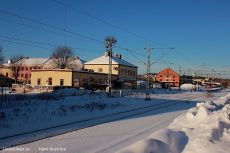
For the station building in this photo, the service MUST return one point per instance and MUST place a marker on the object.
(168, 76)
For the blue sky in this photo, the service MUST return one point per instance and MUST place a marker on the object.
(198, 29)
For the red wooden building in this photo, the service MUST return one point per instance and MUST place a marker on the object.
(168, 76)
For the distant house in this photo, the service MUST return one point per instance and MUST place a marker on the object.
(27, 64)
(127, 72)
(168, 76)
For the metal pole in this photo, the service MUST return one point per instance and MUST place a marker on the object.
(148, 71)
(110, 69)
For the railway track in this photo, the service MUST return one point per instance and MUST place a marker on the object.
(30, 136)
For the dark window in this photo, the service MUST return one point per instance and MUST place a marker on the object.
(26, 68)
(134, 73)
(127, 72)
(22, 68)
(122, 72)
(39, 81)
(131, 72)
(61, 82)
(85, 81)
(6, 74)
(22, 75)
(49, 81)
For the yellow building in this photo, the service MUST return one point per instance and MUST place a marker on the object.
(127, 72)
(65, 77)
(95, 73)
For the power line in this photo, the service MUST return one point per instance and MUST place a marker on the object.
(46, 30)
(106, 22)
(45, 43)
(50, 26)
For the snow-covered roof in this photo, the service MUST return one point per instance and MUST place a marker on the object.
(105, 60)
(72, 62)
(32, 61)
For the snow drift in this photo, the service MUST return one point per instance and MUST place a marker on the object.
(205, 128)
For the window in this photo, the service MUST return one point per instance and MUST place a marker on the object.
(31, 68)
(100, 70)
(174, 76)
(85, 81)
(160, 79)
(22, 68)
(61, 82)
(127, 72)
(99, 81)
(35, 68)
(122, 72)
(6, 74)
(22, 75)
(134, 73)
(131, 72)
(39, 81)
(49, 81)
(160, 75)
(26, 68)
(76, 82)
(173, 79)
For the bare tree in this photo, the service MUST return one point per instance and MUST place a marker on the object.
(16, 64)
(1, 55)
(61, 57)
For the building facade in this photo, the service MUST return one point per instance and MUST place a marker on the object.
(68, 78)
(168, 76)
(26, 65)
(126, 72)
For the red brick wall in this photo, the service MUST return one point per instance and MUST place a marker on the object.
(168, 76)
(25, 72)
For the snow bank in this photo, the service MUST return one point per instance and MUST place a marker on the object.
(205, 128)
(162, 141)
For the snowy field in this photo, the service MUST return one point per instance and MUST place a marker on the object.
(198, 125)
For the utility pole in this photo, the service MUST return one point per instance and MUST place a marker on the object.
(109, 45)
(148, 72)
(148, 68)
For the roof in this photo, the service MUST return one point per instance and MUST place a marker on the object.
(32, 61)
(72, 62)
(41, 61)
(105, 60)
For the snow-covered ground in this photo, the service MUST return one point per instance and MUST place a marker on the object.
(203, 126)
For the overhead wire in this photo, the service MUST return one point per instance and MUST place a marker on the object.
(83, 35)
(50, 26)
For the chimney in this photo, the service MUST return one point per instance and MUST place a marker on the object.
(76, 58)
(118, 56)
(9, 61)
